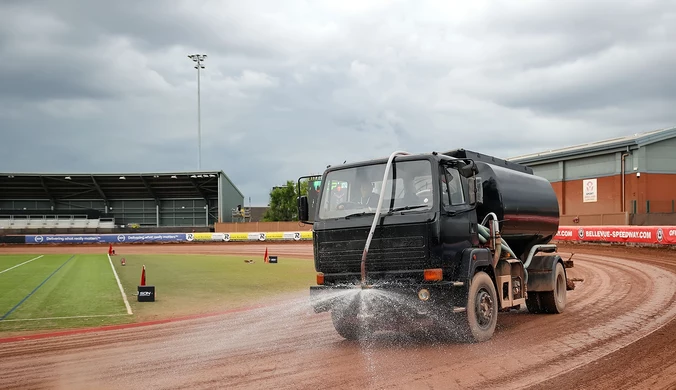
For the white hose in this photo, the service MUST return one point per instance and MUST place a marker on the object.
(491, 214)
(377, 215)
(486, 234)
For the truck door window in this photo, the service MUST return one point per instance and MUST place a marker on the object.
(454, 185)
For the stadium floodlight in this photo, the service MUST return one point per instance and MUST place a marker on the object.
(198, 59)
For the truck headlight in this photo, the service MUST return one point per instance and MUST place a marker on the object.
(424, 294)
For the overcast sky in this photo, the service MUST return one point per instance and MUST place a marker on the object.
(106, 86)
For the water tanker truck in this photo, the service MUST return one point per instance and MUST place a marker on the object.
(447, 240)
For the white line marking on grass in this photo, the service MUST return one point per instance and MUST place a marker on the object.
(126, 302)
(18, 265)
(64, 318)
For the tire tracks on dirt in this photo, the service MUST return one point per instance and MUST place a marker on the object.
(619, 312)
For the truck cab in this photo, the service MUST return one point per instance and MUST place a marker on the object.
(443, 239)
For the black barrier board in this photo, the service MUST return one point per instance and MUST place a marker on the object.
(12, 239)
(272, 259)
(146, 293)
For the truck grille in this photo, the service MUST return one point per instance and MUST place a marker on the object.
(385, 254)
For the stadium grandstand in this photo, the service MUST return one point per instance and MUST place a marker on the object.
(110, 203)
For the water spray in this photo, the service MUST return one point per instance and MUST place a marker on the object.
(377, 215)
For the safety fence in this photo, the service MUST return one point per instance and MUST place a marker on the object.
(654, 235)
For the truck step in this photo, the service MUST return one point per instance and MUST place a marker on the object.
(457, 309)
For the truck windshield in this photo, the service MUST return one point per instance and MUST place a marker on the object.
(352, 192)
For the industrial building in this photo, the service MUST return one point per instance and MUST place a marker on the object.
(116, 202)
(615, 181)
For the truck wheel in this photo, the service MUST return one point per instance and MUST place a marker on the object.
(482, 308)
(555, 301)
(533, 302)
(348, 326)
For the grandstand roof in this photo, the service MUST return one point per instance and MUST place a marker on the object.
(599, 147)
(111, 186)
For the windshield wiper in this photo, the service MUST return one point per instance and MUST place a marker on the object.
(359, 214)
(404, 208)
(394, 210)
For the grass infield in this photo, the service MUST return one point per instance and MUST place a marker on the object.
(46, 292)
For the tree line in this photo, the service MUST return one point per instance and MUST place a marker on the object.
(283, 206)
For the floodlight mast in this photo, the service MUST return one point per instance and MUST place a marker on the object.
(198, 59)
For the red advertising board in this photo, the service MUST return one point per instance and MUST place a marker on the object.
(663, 235)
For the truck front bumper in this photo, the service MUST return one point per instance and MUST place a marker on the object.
(393, 299)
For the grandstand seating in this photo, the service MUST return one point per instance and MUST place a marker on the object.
(40, 220)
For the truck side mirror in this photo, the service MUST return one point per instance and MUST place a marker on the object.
(303, 209)
(467, 168)
(476, 191)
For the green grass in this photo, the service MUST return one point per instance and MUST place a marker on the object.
(80, 286)
(16, 283)
(188, 284)
(9, 261)
(85, 287)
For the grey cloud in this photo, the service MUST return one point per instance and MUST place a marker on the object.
(290, 87)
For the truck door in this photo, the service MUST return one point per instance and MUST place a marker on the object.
(457, 221)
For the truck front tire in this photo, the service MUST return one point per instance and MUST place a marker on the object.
(348, 326)
(482, 308)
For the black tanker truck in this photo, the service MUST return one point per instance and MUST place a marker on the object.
(445, 239)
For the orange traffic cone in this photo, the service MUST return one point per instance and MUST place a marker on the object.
(143, 276)
(265, 258)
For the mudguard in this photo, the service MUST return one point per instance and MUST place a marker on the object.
(473, 258)
(541, 273)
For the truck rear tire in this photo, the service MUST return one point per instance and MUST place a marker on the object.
(482, 308)
(533, 302)
(555, 301)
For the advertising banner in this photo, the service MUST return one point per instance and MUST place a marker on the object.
(277, 236)
(663, 235)
(166, 237)
(267, 236)
(589, 190)
(660, 235)
(235, 236)
(205, 236)
(256, 236)
(104, 238)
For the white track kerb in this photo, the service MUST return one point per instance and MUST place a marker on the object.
(19, 265)
(124, 296)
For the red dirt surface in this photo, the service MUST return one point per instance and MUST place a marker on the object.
(618, 331)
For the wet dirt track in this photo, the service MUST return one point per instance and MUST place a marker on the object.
(618, 332)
